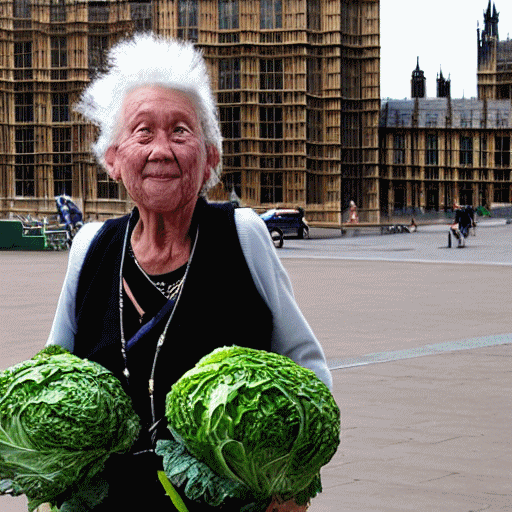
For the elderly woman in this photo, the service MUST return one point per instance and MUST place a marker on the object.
(148, 294)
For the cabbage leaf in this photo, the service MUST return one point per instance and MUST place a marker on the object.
(198, 480)
(61, 417)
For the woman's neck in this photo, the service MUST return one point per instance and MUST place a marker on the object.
(161, 243)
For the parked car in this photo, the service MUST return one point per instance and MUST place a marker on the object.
(289, 222)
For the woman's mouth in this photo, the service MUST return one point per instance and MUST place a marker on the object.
(161, 175)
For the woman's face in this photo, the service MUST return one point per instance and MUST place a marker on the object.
(160, 155)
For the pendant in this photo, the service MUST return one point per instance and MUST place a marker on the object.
(126, 373)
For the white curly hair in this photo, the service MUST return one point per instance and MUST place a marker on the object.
(148, 59)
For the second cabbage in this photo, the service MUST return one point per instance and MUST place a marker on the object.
(257, 418)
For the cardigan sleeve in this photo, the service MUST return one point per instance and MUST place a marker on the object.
(64, 322)
(292, 336)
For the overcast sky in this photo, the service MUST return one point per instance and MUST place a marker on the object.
(442, 33)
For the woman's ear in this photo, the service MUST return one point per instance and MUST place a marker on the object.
(212, 158)
(110, 161)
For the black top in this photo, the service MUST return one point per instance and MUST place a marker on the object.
(464, 216)
(219, 306)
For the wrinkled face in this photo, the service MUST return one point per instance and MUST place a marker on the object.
(160, 155)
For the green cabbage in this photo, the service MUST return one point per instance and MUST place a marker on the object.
(61, 417)
(256, 418)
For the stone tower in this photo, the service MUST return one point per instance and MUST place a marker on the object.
(443, 86)
(494, 74)
(418, 82)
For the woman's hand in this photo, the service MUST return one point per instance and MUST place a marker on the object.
(286, 506)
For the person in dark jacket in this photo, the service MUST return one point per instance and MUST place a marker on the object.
(145, 294)
(464, 220)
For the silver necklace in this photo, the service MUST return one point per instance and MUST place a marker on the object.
(169, 292)
(161, 339)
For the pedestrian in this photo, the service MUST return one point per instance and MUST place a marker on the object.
(464, 220)
(159, 273)
(353, 215)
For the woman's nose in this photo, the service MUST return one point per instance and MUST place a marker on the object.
(161, 148)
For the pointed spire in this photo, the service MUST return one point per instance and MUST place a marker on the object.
(491, 19)
(417, 72)
(495, 20)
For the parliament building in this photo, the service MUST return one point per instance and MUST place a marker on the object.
(438, 152)
(297, 85)
(298, 89)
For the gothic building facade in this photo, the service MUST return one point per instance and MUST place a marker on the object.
(297, 84)
(437, 152)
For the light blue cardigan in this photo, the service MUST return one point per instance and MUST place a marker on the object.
(292, 335)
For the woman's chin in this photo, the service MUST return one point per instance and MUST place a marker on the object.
(166, 203)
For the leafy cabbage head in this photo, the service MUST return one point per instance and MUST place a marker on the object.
(61, 417)
(256, 417)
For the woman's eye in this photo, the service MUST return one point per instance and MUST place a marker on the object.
(143, 134)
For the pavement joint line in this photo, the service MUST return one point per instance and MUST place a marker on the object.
(393, 260)
(427, 350)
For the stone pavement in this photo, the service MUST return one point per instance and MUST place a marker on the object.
(491, 245)
(424, 434)
(427, 433)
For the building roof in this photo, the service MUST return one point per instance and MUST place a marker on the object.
(446, 113)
